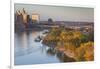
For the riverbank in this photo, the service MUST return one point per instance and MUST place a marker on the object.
(72, 43)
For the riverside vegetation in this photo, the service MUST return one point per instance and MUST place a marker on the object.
(72, 43)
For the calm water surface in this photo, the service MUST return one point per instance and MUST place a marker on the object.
(27, 51)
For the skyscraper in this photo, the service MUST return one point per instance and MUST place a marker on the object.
(25, 15)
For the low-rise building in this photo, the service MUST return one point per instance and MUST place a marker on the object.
(35, 18)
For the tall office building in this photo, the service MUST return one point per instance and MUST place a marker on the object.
(25, 16)
(18, 17)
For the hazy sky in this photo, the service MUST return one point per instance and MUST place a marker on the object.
(59, 13)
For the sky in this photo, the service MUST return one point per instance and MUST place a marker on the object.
(58, 13)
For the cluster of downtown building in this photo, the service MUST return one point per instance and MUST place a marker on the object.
(24, 21)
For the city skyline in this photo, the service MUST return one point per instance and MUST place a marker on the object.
(58, 13)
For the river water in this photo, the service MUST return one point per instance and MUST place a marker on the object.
(27, 51)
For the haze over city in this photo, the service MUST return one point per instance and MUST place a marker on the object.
(58, 13)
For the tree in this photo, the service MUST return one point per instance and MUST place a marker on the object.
(50, 20)
(85, 51)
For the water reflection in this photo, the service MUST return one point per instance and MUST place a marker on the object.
(51, 51)
(61, 56)
(24, 43)
(27, 51)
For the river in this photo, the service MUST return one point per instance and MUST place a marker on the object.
(27, 51)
